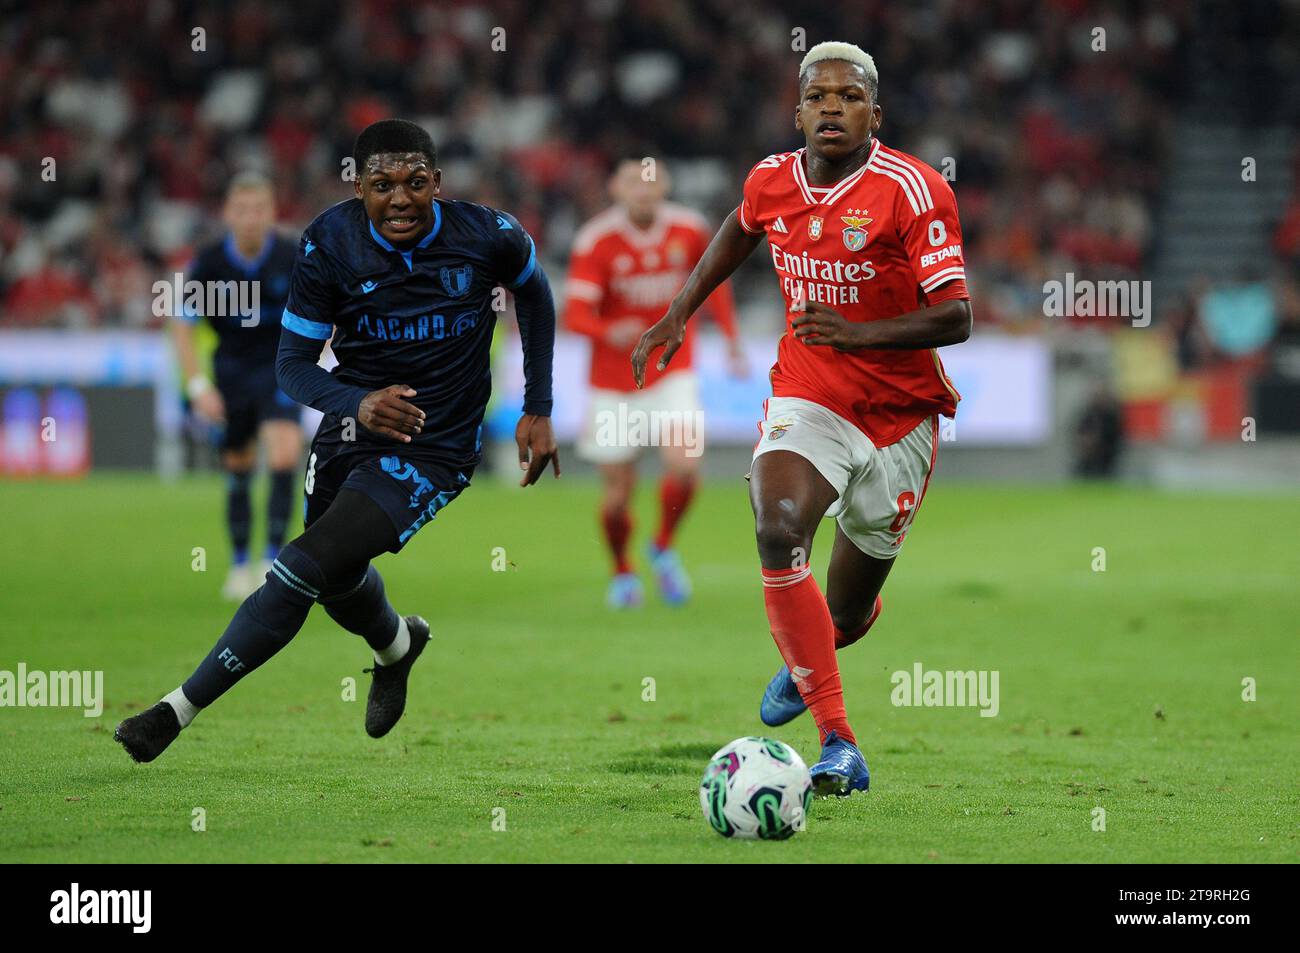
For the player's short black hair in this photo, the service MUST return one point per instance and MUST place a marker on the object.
(392, 135)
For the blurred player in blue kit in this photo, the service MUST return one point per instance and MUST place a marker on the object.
(242, 393)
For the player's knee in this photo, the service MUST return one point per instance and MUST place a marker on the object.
(282, 463)
(679, 465)
(686, 475)
(239, 461)
(293, 583)
(344, 586)
(781, 538)
(617, 498)
(283, 451)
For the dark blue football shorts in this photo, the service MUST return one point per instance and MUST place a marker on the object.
(410, 484)
(252, 397)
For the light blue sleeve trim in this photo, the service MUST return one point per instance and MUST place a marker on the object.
(528, 268)
(308, 329)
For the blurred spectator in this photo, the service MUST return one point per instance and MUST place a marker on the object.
(1099, 436)
(1192, 346)
(1240, 319)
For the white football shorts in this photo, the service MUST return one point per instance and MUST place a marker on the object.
(620, 424)
(879, 488)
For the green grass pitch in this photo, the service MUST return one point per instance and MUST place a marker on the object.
(1119, 689)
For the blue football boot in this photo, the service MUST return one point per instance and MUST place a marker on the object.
(841, 770)
(782, 701)
(625, 592)
(674, 584)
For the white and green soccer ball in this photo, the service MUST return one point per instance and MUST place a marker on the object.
(756, 788)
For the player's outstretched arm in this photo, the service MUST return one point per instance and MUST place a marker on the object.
(535, 314)
(730, 246)
(947, 322)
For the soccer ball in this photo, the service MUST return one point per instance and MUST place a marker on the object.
(756, 788)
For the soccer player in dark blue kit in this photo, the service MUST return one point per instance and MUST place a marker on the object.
(245, 398)
(405, 283)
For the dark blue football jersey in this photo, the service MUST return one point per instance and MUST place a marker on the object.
(242, 349)
(421, 316)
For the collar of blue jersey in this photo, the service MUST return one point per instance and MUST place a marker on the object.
(252, 265)
(406, 253)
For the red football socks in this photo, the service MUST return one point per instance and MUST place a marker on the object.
(805, 636)
(618, 527)
(675, 494)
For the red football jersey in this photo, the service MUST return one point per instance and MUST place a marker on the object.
(879, 243)
(619, 271)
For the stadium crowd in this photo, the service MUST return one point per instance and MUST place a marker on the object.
(122, 120)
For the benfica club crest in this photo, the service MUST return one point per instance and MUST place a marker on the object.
(855, 235)
(815, 227)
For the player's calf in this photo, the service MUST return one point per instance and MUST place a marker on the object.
(846, 633)
(782, 702)
(361, 607)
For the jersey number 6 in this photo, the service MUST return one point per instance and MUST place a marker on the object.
(906, 510)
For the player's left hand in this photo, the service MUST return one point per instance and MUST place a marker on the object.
(820, 324)
(536, 442)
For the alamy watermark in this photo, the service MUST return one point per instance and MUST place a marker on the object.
(57, 689)
(946, 689)
(213, 299)
(631, 427)
(128, 907)
(1084, 298)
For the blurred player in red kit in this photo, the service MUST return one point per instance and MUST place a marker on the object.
(867, 247)
(627, 263)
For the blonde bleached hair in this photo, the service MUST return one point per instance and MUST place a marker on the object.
(848, 52)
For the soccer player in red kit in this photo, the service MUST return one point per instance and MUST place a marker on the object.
(627, 263)
(868, 251)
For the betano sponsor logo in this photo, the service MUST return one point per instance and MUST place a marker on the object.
(934, 257)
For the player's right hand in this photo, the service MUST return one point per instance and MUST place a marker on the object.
(384, 411)
(667, 333)
(210, 405)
